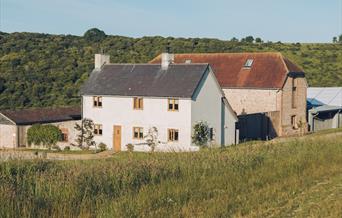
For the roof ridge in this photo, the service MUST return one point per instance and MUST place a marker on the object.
(143, 64)
(39, 108)
(283, 61)
(227, 53)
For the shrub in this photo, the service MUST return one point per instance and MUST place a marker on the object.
(151, 138)
(67, 148)
(201, 134)
(102, 146)
(56, 147)
(46, 135)
(85, 136)
(130, 147)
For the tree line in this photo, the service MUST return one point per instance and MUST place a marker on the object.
(39, 70)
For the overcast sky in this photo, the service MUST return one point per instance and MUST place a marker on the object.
(274, 20)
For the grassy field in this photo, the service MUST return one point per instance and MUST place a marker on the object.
(293, 178)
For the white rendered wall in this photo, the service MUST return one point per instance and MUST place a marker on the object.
(207, 106)
(118, 110)
(8, 136)
(231, 134)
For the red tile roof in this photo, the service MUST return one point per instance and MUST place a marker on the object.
(269, 69)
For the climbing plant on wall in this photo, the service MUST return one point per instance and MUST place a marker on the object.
(44, 135)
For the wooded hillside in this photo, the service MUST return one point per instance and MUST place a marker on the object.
(47, 70)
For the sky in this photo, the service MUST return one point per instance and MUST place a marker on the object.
(272, 20)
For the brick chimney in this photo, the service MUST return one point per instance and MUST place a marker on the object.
(166, 60)
(100, 60)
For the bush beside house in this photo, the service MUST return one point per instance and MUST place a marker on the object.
(43, 135)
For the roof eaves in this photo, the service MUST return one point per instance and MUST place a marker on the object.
(12, 121)
(199, 82)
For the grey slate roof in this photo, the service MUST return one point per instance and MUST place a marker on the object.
(41, 115)
(179, 80)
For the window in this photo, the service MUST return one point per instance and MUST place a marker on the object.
(211, 134)
(173, 104)
(97, 101)
(248, 63)
(138, 103)
(64, 134)
(173, 135)
(138, 133)
(294, 93)
(188, 61)
(98, 129)
(294, 122)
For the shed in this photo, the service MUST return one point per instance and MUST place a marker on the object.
(15, 123)
(325, 117)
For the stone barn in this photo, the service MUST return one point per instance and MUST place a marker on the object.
(15, 123)
(262, 82)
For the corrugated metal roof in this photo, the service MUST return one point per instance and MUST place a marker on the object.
(42, 115)
(325, 108)
(327, 95)
(179, 80)
(268, 69)
(314, 102)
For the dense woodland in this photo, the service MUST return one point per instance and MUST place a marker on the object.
(47, 70)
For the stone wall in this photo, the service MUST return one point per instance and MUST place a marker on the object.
(299, 110)
(275, 123)
(251, 101)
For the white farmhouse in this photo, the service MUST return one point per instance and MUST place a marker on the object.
(126, 100)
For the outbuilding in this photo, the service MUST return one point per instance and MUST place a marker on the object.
(266, 86)
(325, 117)
(15, 123)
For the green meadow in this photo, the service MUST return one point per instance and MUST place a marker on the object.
(289, 178)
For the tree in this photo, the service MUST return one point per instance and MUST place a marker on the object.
(340, 39)
(201, 134)
(151, 138)
(334, 39)
(248, 39)
(85, 134)
(258, 40)
(234, 39)
(94, 35)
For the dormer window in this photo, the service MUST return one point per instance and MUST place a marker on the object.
(248, 63)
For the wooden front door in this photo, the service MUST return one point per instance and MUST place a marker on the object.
(117, 138)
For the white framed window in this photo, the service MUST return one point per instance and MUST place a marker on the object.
(248, 63)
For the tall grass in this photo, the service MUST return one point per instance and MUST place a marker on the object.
(300, 178)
